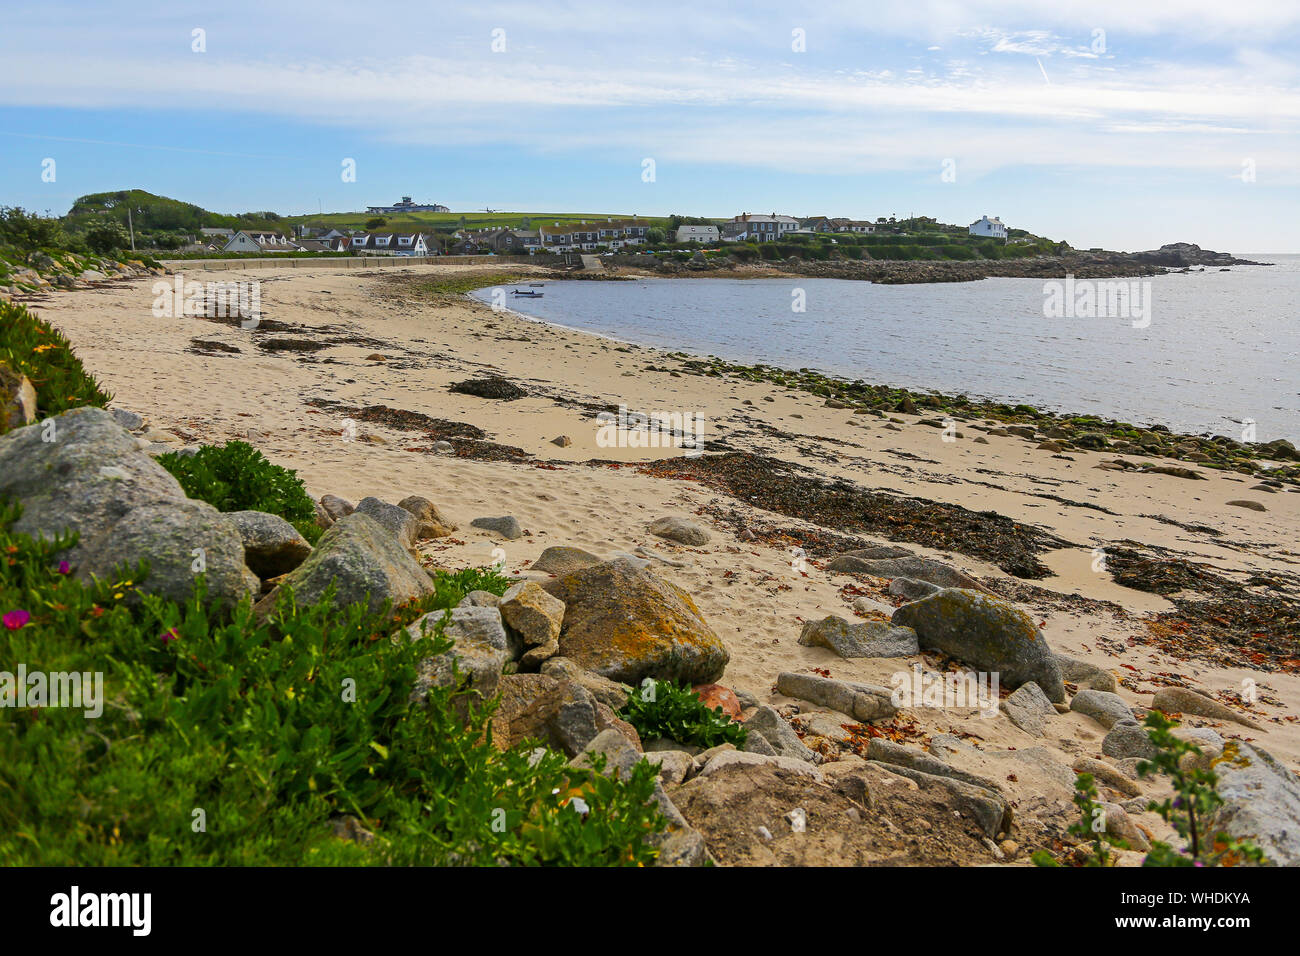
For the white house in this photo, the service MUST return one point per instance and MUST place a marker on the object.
(747, 228)
(391, 244)
(697, 234)
(243, 241)
(989, 228)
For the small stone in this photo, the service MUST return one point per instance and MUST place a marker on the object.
(1106, 708)
(1243, 503)
(681, 530)
(506, 526)
(563, 441)
(1128, 738)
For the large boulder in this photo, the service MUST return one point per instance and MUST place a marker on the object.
(560, 714)
(430, 522)
(861, 639)
(1184, 700)
(564, 560)
(400, 523)
(82, 472)
(473, 664)
(1261, 802)
(535, 615)
(986, 632)
(272, 546)
(627, 624)
(364, 562)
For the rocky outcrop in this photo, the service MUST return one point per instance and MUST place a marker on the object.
(272, 546)
(986, 632)
(627, 624)
(362, 560)
(1261, 802)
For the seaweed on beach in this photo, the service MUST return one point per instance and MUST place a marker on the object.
(1141, 572)
(839, 505)
(466, 440)
(1244, 629)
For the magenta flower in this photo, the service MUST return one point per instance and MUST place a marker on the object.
(170, 635)
(16, 619)
(64, 567)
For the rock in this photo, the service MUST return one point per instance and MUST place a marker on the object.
(1102, 706)
(364, 562)
(1184, 700)
(170, 535)
(128, 419)
(1086, 675)
(429, 522)
(480, 651)
(1243, 503)
(1128, 738)
(989, 811)
(758, 744)
(444, 447)
(863, 639)
(1261, 802)
(878, 551)
(734, 758)
(627, 624)
(561, 560)
(336, 507)
(986, 632)
(1120, 824)
(92, 479)
(868, 608)
(272, 546)
(561, 714)
(681, 530)
(765, 722)
(493, 387)
(611, 693)
(1176, 471)
(505, 526)
(399, 522)
(675, 766)
(533, 658)
(863, 702)
(1028, 708)
(481, 599)
(715, 695)
(533, 614)
(900, 755)
(679, 844)
(911, 589)
(1109, 775)
(918, 569)
(563, 441)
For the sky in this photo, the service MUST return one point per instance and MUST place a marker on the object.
(1111, 123)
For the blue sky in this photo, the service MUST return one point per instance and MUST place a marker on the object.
(1108, 123)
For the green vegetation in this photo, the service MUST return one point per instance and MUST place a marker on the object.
(233, 742)
(660, 709)
(457, 285)
(1194, 802)
(237, 477)
(33, 347)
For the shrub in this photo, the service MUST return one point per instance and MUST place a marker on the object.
(32, 346)
(661, 709)
(237, 477)
(233, 742)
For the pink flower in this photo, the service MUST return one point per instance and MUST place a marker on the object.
(16, 619)
(170, 635)
(64, 567)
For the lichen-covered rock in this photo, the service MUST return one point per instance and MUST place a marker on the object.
(563, 560)
(1261, 802)
(608, 692)
(399, 522)
(272, 546)
(479, 651)
(861, 639)
(90, 477)
(864, 702)
(535, 615)
(429, 521)
(363, 560)
(627, 624)
(179, 540)
(986, 632)
(681, 530)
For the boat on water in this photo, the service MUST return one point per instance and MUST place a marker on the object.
(528, 294)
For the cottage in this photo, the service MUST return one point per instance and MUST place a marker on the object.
(697, 234)
(265, 242)
(989, 228)
(748, 228)
(585, 236)
(391, 244)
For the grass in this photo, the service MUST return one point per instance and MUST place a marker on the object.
(225, 741)
(33, 347)
(462, 283)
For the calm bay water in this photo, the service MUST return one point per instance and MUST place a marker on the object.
(1221, 347)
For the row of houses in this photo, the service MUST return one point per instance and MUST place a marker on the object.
(584, 236)
(771, 228)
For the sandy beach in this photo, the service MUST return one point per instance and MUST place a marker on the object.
(754, 590)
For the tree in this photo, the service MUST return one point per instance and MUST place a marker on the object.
(105, 237)
(655, 236)
(376, 223)
(29, 231)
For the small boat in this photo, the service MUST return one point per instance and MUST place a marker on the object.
(527, 295)
(534, 285)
